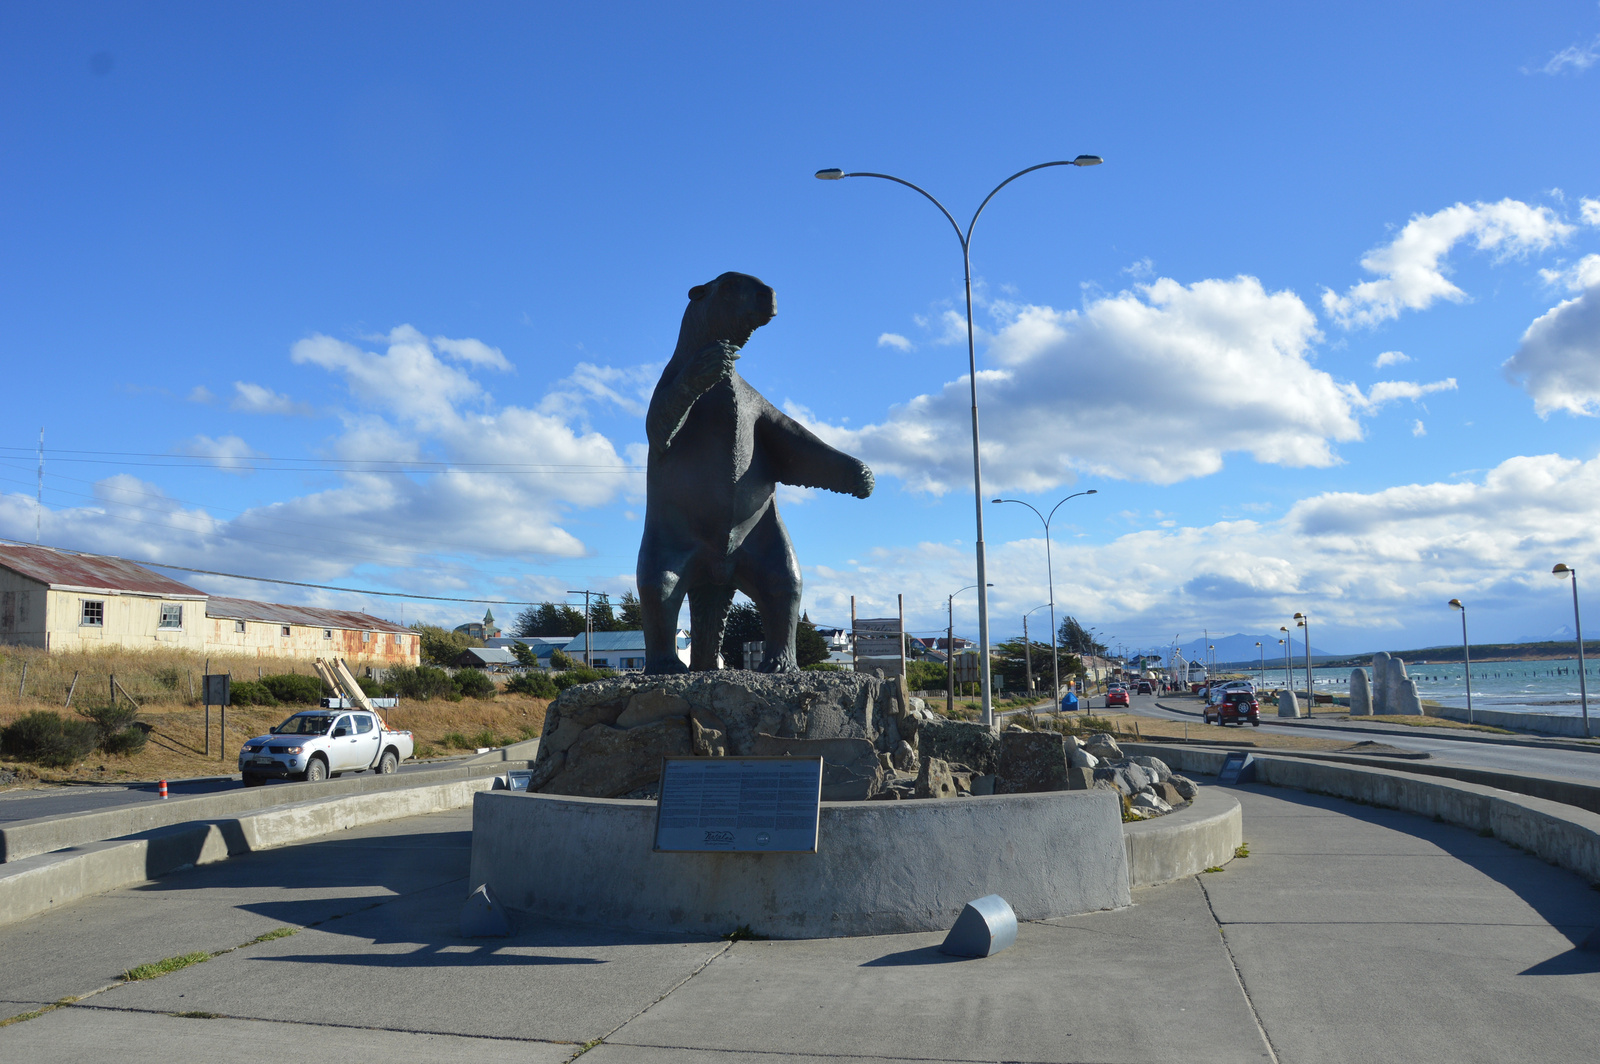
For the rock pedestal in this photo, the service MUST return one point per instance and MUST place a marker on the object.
(606, 739)
(1031, 762)
(1360, 694)
(1380, 684)
(1288, 704)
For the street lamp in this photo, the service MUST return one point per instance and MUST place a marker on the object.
(950, 652)
(1261, 656)
(1027, 647)
(1304, 621)
(1288, 666)
(1466, 653)
(836, 174)
(1050, 574)
(1577, 622)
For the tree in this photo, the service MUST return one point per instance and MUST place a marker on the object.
(1076, 638)
(925, 675)
(525, 655)
(601, 619)
(441, 646)
(632, 619)
(809, 647)
(743, 626)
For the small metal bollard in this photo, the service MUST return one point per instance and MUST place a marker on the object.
(984, 928)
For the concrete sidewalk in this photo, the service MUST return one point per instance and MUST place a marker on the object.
(1348, 934)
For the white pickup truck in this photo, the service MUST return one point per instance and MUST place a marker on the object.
(322, 743)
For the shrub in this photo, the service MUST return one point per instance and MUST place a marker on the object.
(440, 646)
(117, 730)
(250, 693)
(127, 742)
(293, 687)
(536, 684)
(925, 675)
(473, 683)
(456, 741)
(824, 666)
(374, 689)
(45, 737)
(422, 682)
(561, 660)
(169, 676)
(579, 674)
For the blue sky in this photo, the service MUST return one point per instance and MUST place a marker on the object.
(373, 295)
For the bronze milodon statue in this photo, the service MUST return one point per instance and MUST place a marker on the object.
(717, 452)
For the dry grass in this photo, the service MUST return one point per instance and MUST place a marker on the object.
(1433, 722)
(159, 681)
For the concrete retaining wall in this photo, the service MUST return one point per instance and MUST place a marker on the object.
(1185, 842)
(34, 884)
(883, 867)
(27, 838)
(1540, 723)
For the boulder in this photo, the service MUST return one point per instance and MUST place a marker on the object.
(851, 771)
(1137, 777)
(1155, 765)
(1104, 747)
(1031, 762)
(1360, 694)
(647, 707)
(968, 742)
(1169, 794)
(1288, 704)
(1079, 779)
(1081, 758)
(607, 762)
(1185, 787)
(1150, 803)
(904, 757)
(934, 779)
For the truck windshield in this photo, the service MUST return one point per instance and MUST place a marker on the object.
(305, 724)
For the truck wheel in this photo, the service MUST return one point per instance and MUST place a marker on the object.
(389, 764)
(316, 770)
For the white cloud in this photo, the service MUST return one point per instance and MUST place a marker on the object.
(1418, 428)
(1362, 562)
(473, 353)
(1558, 361)
(1576, 57)
(1585, 273)
(1589, 211)
(1155, 384)
(251, 398)
(1411, 267)
(1390, 358)
(201, 394)
(230, 453)
(1388, 391)
(896, 341)
(627, 388)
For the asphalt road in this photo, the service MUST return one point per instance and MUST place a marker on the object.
(90, 797)
(1513, 755)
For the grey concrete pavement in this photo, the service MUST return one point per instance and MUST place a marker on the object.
(1348, 934)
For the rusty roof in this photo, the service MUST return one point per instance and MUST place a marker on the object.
(62, 568)
(236, 609)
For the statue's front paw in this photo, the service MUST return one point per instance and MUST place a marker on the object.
(864, 483)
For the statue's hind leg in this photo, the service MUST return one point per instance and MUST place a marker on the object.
(767, 570)
(708, 617)
(661, 590)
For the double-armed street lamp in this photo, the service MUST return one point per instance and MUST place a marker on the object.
(1302, 620)
(1577, 623)
(950, 650)
(1050, 574)
(1261, 655)
(965, 237)
(1027, 647)
(1466, 653)
(1288, 666)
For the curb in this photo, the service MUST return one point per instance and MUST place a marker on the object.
(37, 884)
(1185, 843)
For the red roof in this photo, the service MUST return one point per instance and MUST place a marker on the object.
(60, 568)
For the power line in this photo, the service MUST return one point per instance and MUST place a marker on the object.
(265, 463)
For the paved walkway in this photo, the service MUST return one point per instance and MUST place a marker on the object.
(1348, 934)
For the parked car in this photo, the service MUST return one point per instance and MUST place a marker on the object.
(320, 744)
(1234, 707)
(1116, 696)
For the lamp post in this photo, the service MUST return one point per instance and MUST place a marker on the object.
(1288, 667)
(1050, 575)
(950, 651)
(1577, 623)
(836, 174)
(1261, 656)
(1304, 621)
(1466, 653)
(1027, 648)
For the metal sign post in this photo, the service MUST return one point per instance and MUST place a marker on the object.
(215, 690)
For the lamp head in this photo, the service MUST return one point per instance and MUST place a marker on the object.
(997, 500)
(1092, 491)
(1282, 628)
(1455, 604)
(1299, 616)
(833, 173)
(1087, 160)
(1561, 569)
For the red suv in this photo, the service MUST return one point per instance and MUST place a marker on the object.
(1235, 707)
(1116, 696)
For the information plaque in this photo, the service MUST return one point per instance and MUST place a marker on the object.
(739, 804)
(1237, 767)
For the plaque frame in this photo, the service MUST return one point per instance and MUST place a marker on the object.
(816, 805)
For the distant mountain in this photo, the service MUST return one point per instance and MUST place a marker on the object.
(1241, 648)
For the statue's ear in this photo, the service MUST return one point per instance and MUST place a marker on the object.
(699, 290)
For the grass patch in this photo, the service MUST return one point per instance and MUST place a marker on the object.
(36, 1013)
(197, 1015)
(1242, 851)
(1435, 722)
(590, 1044)
(743, 933)
(165, 967)
(281, 932)
(1214, 868)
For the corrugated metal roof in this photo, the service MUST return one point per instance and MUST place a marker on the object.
(489, 655)
(614, 641)
(309, 616)
(60, 568)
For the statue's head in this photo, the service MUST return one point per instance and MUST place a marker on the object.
(731, 307)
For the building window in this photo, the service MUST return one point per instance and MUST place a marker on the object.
(366, 637)
(327, 633)
(284, 631)
(399, 639)
(171, 615)
(94, 613)
(238, 626)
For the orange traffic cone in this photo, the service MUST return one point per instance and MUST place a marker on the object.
(163, 788)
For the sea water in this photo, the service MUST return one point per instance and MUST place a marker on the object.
(1543, 686)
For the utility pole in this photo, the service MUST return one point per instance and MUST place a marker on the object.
(588, 630)
(38, 498)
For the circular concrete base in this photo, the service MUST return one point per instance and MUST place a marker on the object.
(881, 867)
